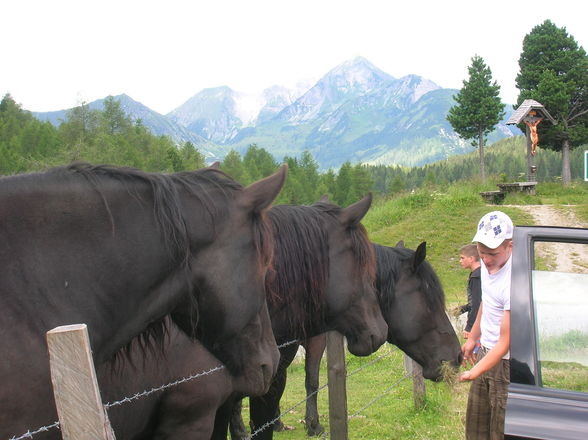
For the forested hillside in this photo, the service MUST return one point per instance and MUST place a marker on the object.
(108, 136)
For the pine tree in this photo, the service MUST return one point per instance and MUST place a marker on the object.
(233, 166)
(361, 182)
(192, 159)
(554, 71)
(478, 107)
(258, 162)
(343, 196)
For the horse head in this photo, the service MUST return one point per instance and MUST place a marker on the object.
(231, 251)
(412, 301)
(353, 307)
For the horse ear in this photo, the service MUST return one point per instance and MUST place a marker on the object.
(353, 214)
(259, 195)
(215, 165)
(324, 199)
(400, 244)
(419, 255)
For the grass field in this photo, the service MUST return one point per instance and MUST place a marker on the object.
(444, 217)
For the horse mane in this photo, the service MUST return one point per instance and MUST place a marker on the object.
(300, 271)
(389, 263)
(362, 248)
(150, 341)
(167, 207)
(300, 274)
(171, 220)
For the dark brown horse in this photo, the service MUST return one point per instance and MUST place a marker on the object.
(311, 243)
(119, 249)
(179, 411)
(412, 302)
(325, 273)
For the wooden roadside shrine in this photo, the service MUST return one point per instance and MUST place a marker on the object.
(531, 113)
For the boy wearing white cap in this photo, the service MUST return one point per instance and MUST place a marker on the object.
(491, 372)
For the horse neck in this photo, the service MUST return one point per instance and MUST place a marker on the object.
(101, 261)
(298, 287)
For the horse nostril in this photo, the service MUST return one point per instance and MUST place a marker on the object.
(459, 358)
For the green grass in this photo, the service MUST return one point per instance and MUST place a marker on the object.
(391, 413)
(445, 218)
(564, 375)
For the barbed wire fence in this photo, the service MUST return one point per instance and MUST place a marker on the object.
(410, 374)
(30, 434)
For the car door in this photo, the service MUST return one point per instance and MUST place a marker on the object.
(548, 395)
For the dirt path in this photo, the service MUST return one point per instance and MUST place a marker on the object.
(559, 257)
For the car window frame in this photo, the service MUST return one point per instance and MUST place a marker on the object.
(532, 410)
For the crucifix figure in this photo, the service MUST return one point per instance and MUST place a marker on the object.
(532, 123)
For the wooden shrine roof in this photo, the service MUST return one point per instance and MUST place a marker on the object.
(526, 106)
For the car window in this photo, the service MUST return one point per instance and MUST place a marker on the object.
(560, 299)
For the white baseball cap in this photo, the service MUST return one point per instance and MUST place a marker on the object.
(493, 229)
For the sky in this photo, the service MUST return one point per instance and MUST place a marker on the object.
(57, 54)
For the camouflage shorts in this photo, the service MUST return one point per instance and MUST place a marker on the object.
(487, 402)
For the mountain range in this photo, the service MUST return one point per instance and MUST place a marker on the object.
(356, 112)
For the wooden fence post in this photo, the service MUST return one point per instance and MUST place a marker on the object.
(77, 397)
(337, 386)
(418, 381)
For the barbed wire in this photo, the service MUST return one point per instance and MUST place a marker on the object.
(285, 344)
(146, 393)
(271, 422)
(30, 434)
(372, 362)
(386, 391)
(296, 405)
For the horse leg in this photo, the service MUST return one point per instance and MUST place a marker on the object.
(236, 425)
(278, 424)
(223, 418)
(188, 412)
(315, 348)
(264, 410)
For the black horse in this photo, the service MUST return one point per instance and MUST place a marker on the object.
(413, 303)
(325, 269)
(119, 249)
(311, 244)
(182, 411)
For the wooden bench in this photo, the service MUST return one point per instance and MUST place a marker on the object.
(523, 187)
(494, 197)
(497, 197)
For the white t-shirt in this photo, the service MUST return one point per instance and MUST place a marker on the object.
(495, 300)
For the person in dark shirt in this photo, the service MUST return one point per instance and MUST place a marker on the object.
(469, 259)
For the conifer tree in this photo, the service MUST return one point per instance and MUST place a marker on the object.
(343, 194)
(478, 107)
(233, 166)
(554, 71)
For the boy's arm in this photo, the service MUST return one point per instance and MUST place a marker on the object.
(495, 355)
(468, 347)
(476, 290)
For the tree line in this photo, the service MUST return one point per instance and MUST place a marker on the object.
(109, 136)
